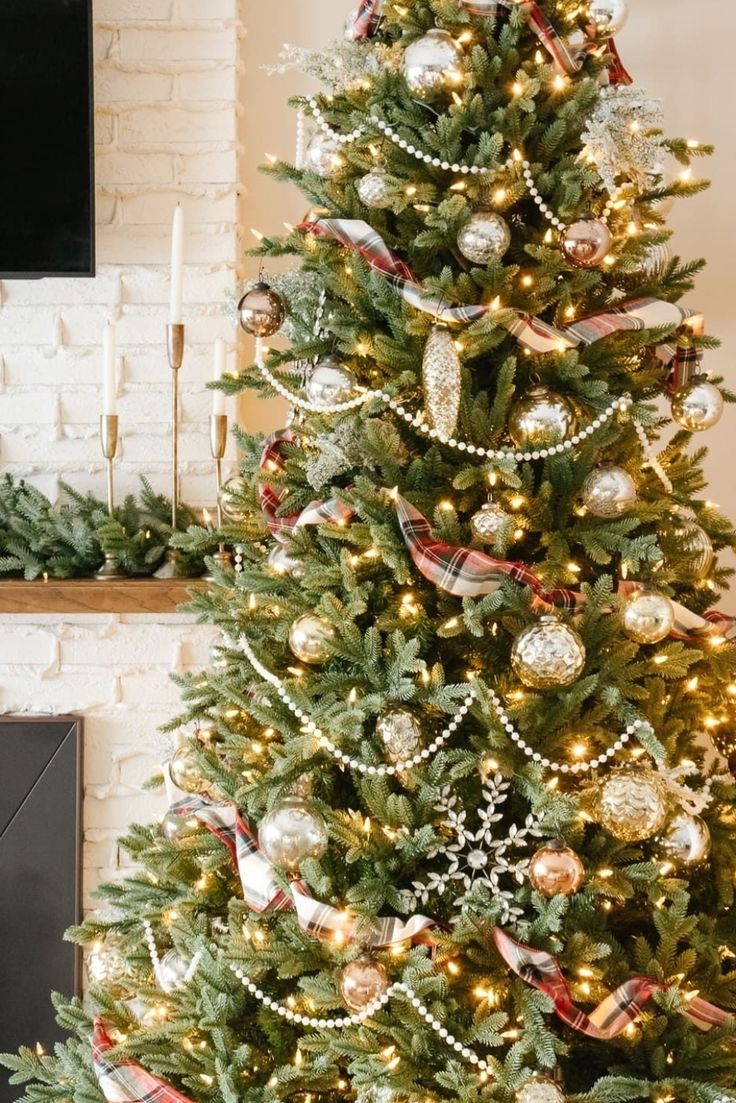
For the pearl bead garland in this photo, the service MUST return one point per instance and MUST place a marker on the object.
(315, 407)
(300, 141)
(324, 126)
(430, 159)
(548, 213)
(652, 460)
(155, 959)
(418, 759)
(343, 1021)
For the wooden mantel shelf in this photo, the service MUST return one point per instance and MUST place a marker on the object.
(91, 596)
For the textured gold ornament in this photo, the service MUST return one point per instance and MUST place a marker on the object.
(400, 733)
(632, 803)
(540, 1089)
(488, 522)
(548, 655)
(362, 982)
(442, 380)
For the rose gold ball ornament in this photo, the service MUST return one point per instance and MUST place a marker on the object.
(540, 1089)
(697, 406)
(310, 637)
(261, 311)
(686, 840)
(585, 243)
(362, 982)
(186, 772)
(609, 491)
(606, 17)
(632, 803)
(294, 831)
(648, 617)
(556, 870)
(548, 655)
(540, 419)
(432, 64)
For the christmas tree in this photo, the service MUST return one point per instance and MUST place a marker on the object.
(455, 816)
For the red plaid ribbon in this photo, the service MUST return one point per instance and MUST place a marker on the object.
(271, 497)
(542, 971)
(367, 20)
(529, 331)
(127, 1081)
(262, 891)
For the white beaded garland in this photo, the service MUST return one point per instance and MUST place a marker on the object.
(652, 460)
(548, 213)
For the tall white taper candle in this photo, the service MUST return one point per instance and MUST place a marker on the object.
(219, 398)
(177, 266)
(109, 398)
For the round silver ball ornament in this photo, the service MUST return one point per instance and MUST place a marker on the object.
(310, 637)
(484, 237)
(586, 243)
(330, 382)
(632, 803)
(323, 156)
(648, 617)
(171, 972)
(186, 772)
(281, 563)
(697, 406)
(488, 522)
(540, 1089)
(432, 64)
(686, 840)
(548, 655)
(375, 189)
(261, 311)
(294, 831)
(179, 830)
(400, 733)
(231, 499)
(609, 491)
(362, 982)
(606, 17)
(106, 964)
(540, 419)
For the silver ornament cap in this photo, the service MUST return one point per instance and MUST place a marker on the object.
(323, 156)
(432, 64)
(540, 419)
(548, 655)
(586, 243)
(648, 617)
(310, 638)
(330, 382)
(697, 406)
(375, 189)
(484, 237)
(609, 491)
(294, 831)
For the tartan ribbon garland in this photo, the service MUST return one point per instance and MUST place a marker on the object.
(529, 331)
(271, 497)
(367, 19)
(262, 891)
(127, 1081)
(542, 971)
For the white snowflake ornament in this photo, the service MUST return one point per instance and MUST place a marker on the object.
(623, 137)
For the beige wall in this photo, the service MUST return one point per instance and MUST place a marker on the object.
(674, 49)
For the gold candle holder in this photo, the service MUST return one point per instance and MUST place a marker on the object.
(218, 447)
(109, 441)
(175, 351)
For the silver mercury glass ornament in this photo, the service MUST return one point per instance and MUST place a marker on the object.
(329, 382)
(606, 17)
(309, 638)
(540, 1089)
(294, 831)
(609, 491)
(548, 655)
(432, 64)
(375, 189)
(540, 419)
(400, 733)
(484, 237)
(632, 803)
(648, 617)
(488, 522)
(323, 156)
(698, 405)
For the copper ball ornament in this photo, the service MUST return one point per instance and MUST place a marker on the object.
(540, 1089)
(294, 831)
(697, 406)
(606, 17)
(556, 870)
(586, 243)
(484, 237)
(648, 617)
(362, 983)
(261, 311)
(375, 189)
(609, 491)
(548, 655)
(488, 522)
(631, 803)
(323, 156)
(432, 64)
(329, 382)
(310, 637)
(186, 773)
(686, 840)
(540, 419)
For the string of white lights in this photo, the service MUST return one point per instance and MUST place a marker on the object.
(344, 759)
(358, 1017)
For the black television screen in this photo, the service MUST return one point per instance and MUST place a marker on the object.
(46, 139)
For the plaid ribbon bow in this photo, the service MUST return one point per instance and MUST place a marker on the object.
(262, 891)
(127, 1081)
(271, 497)
(529, 331)
(542, 971)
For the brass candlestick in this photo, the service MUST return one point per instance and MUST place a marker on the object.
(109, 441)
(218, 447)
(175, 351)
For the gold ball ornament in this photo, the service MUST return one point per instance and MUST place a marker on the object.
(540, 419)
(432, 64)
(400, 733)
(186, 772)
(323, 156)
(698, 544)
(171, 972)
(556, 870)
(310, 638)
(697, 406)
(609, 491)
(484, 237)
(362, 982)
(488, 522)
(686, 840)
(540, 1089)
(606, 17)
(232, 497)
(330, 382)
(375, 189)
(548, 655)
(586, 243)
(261, 311)
(294, 831)
(648, 617)
(632, 803)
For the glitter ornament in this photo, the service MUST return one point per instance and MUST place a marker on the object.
(186, 772)
(623, 137)
(442, 381)
(330, 382)
(362, 982)
(261, 311)
(632, 803)
(171, 972)
(698, 544)
(282, 563)
(179, 830)
(539, 1089)
(309, 638)
(548, 655)
(322, 156)
(540, 419)
(488, 522)
(375, 189)
(294, 831)
(232, 494)
(686, 840)
(106, 964)
(586, 242)
(609, 491)
(698, 405)
(556, 870)
(606, 17)
(484, 236)
(648, 617)
(400, 733)
(432, 64)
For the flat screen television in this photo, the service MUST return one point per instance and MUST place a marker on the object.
(46, 139)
